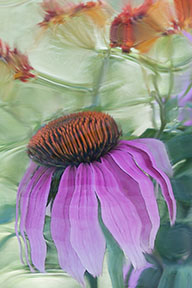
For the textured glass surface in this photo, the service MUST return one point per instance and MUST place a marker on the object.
(84, 74)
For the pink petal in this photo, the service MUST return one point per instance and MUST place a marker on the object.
(147, 163)
(24, 202)
(60, 227)
(86, 235)
(35, 218)
(135, 275)
(157, 149)
(119, 214)
(139, 189)
(187, 34)
(22, 186)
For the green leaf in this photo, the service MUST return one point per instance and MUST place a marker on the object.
(182, 188)
(174, 243)
(184, 168)
(115, 263)
(179, 147)
(149, 278)
(183, 277)
(168, 278)
(171, 110)
(92, 281)
(176, 276)
(148, 133)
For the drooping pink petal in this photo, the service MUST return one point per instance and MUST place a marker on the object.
(118, 214)
(35, 217)
(22, 186)
(24, 200)
(189, 122)
(139, 189)
(135, 275)
(60, 227)
(157, 149)
(145, 160)
(86, 235)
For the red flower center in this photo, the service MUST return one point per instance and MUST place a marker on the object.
(73, 139)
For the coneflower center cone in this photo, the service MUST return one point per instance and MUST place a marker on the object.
(73, 139)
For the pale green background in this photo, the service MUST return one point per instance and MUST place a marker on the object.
(75, 77)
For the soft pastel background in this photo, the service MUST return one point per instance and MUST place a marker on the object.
(73, 76)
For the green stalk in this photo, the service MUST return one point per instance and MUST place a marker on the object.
(158, 98)
(100, 79)
(149, 62)
(187, 90)
(93, 282)
(171, 68)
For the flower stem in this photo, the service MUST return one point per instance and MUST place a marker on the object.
(171, 69)
(92, 281)
(161, 103)
(44, 79)
(186, 91)
(149, 62)
(162, 118)
(101, 76)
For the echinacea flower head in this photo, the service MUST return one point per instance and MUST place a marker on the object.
(80, 24)
(141, 26)
(16, 63)
(99, 175)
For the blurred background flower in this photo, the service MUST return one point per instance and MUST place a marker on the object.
(141, 26)
(77, 24)
(14, 66)
(16, 62)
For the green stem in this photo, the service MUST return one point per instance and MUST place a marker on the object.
(187, 90)
(93, 282)
(162, 118)
(149, 62)
(156, 256)
(44, 79)
(146, 81)
(171, 81)
(158, 98)
(100, 79)
(171, 68)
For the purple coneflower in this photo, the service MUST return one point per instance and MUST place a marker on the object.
(97, 169)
